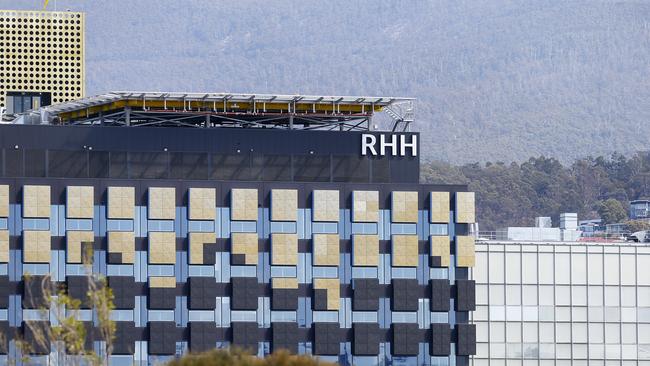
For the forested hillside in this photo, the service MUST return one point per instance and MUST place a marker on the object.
(514, 194)
(495, 80)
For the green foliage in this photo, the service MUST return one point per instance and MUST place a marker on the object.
(514, 194)
(237, 357)
(637, 225)
(611, 211)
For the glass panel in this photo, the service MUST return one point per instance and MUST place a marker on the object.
(231, 167)
(546, 295)
(595, 296)
(643, 269)
(99, 164)
(628, 296)
(611, 269)
(596, 333)
(628, 333)
(67, 164)
(497, 332)
(14, 163)
(579, 295)
(530, 295)
(311, 168)
(496, 268)
(530, 332)
(350, 168)
(612, 296)
(579, 314)
(497, 296)
(35, 163)
(513, 332)
(118, 165)
(380, 170)
(513, 268)
(628, 274)
(579, 332)
(578, 269)
(595, 263)
(562, 295)
(513, 295)
(546, 332)
(546, 268)
(148, 165)
(188, 166)
(562, 268)
(644, 334)
(612, 333)
(277, 168)
(643, 296)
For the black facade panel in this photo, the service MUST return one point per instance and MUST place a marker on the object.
(162, 338)
(319, 301)
(32, 335)
(35, 291)
(203, 293)
(366, 294)
(327, 338)
(465, 295)
(440, 294)
(405, 295)
(203, 336)
(284, 299)
(123, 291)
(4, 292)
(162, 298)
(8, 334)
(244, 293)
(440, 340)
(405, 340)
(285, 336)
(124, 343)
(245, 335)
(78, 288)
(366, 339)
(466, 339)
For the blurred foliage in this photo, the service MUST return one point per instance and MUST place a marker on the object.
(514, 194)
(238, 357)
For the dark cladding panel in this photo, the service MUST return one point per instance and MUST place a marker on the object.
(366, 294)
(162, 338)
(284, 299)
(78, 288)
(14, 163)
(67, 164)
(440, 340)
(405, 340)
(285, 336)
(35, 163)
(189, 166)
(4, 292)
(98, 164)
(124, 343)
(366, 339)
(465, 295)
(32, 335)
(244, 293)
(350, 169)
(327, 338)
(123, 291)
(440, 295)
(34, 292)
(466, 345)
(405, 295)
(148, 165)
(311, 168)
(277, 168)
(8, 334)
(203, 293)
(162, 298)
(203, 336)
(119, 167)
(245, 335)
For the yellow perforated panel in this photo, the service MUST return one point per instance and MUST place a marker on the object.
(243, 204)
(404, 207)
(333, 288)
(326, 249)
(365, 250)
(203, 204)
(439, 207)
(465, 207)
(326, 205)
(36, 246)
(162, 248)
(74, 240)
(4, 201)
(405, 250)
(4, 246)
(245, 244)
(440, 249)
(121, 202)
(42, 52)
(365, 206)
(465, 253)
(79, 202)
(123, 243)
(162, 282)
(284, 282)
(162, 203)
(284, 204)
(197, 241)
(36, 201)
(284, 249)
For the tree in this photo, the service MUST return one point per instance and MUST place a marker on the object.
(235, 357)
(611, 211)
(637, 225)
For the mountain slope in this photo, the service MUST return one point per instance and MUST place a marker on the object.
(495, 80)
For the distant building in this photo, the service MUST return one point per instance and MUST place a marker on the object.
(543, 230)
(589, 228)
(639, 209)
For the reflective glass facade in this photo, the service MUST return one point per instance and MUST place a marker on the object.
(562, 304)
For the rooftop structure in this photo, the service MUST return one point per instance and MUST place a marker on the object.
(344, 113)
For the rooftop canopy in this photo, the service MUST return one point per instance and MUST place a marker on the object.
(228, 110)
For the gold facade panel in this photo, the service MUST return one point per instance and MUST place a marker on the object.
(284, 204)
(197, 242)
(365, 206)
(439, 207)
(46, 54)
(121, 202)
(36, 201)
(440, 250)
(203, 203)
(162, 203)
(284, 249)
(36, 246)
(284, 283)
(4, 201)
(4, 246)
(162, 282)
(465, 208)
(365, 250)
(333, 288)
(325, 205)
(245, 244)
(405, 250)
(122, 243)
(404, 207)
(326, 249)
(162, 247)
(80, 202)
(243, 204)
(74, 240)
(465, 251)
